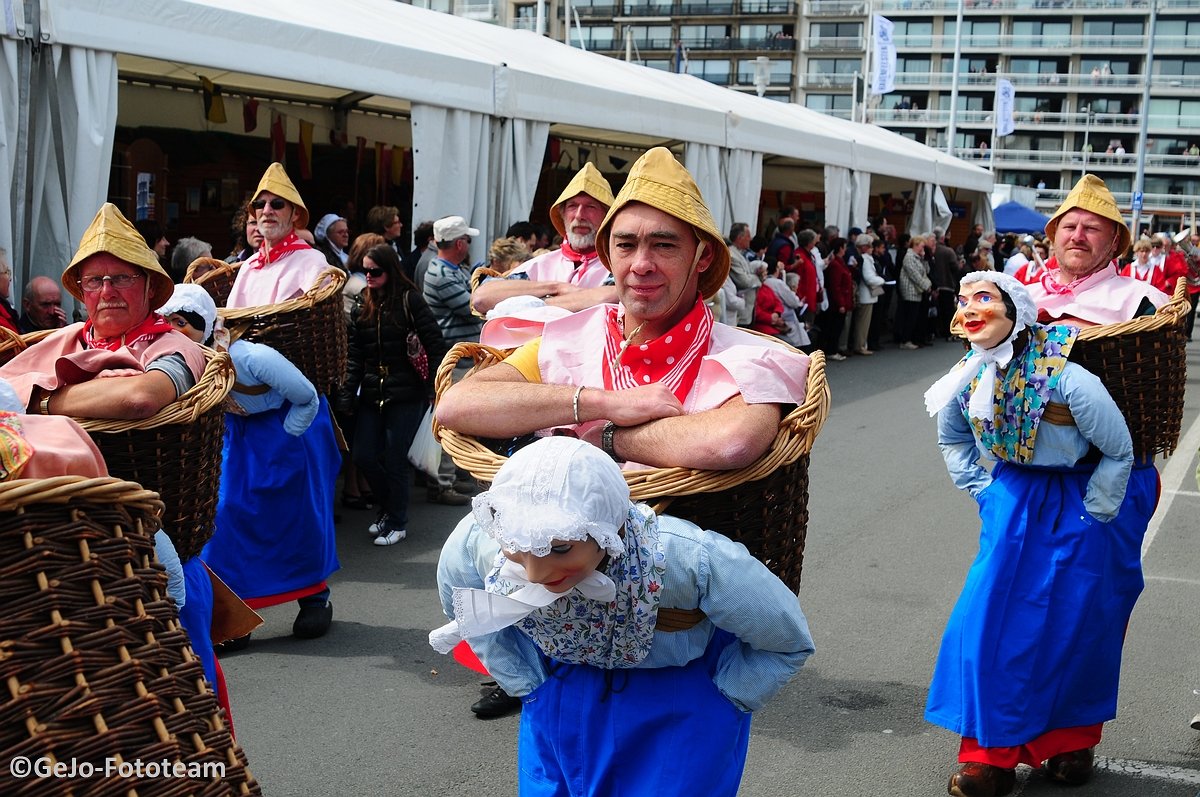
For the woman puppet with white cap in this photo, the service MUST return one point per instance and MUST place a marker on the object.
(635, 642)
(1029, 662)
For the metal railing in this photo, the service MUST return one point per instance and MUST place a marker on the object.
(823, 80)
(829, 43)
(992, 42)
(835, 8)
(683, 8)
(481, 11)
(1051, 198)
(781, 43)
(1073, 159)
(1072, 120)
(951, 6)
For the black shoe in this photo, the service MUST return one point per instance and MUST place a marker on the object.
(313, 621)
(496, 703)
(232, 645)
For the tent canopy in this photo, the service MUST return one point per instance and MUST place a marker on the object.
(1015, 217)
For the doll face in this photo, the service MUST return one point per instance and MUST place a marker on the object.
(982, 313)
(568, 563)
(182, 324)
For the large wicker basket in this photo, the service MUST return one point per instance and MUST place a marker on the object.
(99, 672)
(214, 276)
(763, 506)
(177, 453)
(309, 330)
(1143, 363)
(11, 344)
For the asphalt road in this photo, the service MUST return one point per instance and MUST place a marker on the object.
(370, 709)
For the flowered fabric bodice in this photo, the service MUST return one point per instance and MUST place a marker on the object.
(1022, 392)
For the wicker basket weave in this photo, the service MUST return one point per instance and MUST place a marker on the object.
(216, 277)
(309, 330)
(177, 453)
(97, 666)
(764, 506)
(1143, 363)
(11, 344)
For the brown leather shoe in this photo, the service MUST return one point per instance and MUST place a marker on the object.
(981, 780)
(1073, 769)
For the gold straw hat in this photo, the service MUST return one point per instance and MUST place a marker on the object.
(276, 181)
(112, 233)
(1090, 193)
(587, 180)
(660, 181)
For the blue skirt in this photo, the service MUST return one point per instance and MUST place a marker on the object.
(1034, 642)
(196, 615)
(274, 530)
(626, 733)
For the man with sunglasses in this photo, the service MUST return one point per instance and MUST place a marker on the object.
(124, 362)
(284, 266)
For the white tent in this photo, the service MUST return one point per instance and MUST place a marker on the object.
(481, 100)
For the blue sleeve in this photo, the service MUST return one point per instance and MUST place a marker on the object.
(510, 657)
(168, 557)
(272, 368)
(1100, 421)
(741, 596)
(957, 443)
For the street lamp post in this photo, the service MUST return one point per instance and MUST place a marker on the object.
(1087, 129)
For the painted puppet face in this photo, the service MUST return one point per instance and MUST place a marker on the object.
(568, 563)
(982, 313)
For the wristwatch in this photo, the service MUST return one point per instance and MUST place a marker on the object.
(44, 404)
(606, 440)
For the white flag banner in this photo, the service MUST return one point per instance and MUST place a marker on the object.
(883, 76)
(1004, 107)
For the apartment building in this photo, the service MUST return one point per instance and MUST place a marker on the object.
(1079, 68)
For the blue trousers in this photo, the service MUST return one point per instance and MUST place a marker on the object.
(588, 732)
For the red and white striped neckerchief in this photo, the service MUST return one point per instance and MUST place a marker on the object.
(290, 243)
(581, 260)
(673, 358)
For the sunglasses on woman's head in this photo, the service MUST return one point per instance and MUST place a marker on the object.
(373, 272)
(277, 203)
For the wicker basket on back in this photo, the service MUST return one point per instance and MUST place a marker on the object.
(309, 330)
(177, 453)
(763, 506)
(97, 666)
(214, 276)
(1143, 363)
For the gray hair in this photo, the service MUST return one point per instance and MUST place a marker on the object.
(792, 279)
(864, 240)
(187, 250)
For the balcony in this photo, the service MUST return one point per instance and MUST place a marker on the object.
(771, 7)
(773, 44)
(1063, 44)
(822, 80)
(484, 12)
(1101, 123)
(705, 9)
(1049, 199)
(594, 11)
(1136, 7)
(826, 44)
(1066, 159)
(835, 8)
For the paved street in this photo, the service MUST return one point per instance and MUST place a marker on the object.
(372, 710)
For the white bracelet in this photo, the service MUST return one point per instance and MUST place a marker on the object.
(575, 403)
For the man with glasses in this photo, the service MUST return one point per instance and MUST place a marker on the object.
(284, 266)
(125, 362)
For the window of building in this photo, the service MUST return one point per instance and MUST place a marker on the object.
(834, 66)
(696, 7)
(653, 37)
(598, 37)
(835, 34)
(659, 63)
(965, 103)
(976, 32)
(646, 8)
(1178, 29)
(434, 5)
(1176, 66)
(704, 36)
(829, 102)
(1036, 33)
(913, 65)
(1173, 112)
(913, 33)
(780, 73)
(714, 71)
(1033, 66)
(597, 6)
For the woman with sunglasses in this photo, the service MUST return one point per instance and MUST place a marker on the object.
(391, 392)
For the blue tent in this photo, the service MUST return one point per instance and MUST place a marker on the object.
(1015, 217)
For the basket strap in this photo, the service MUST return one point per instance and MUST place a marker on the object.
(1058, 414)
(670, 620)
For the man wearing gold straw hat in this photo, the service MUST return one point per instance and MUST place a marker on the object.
(124, 362)
(654, 379)
(1081, 285)
(284, 266)
(572, 277)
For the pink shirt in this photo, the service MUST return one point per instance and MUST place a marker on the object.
(284, 278)
(554, 267)
(1103, 297)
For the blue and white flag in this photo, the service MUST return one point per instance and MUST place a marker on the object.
(883, 76)
(1004, 107)
(679, 60)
